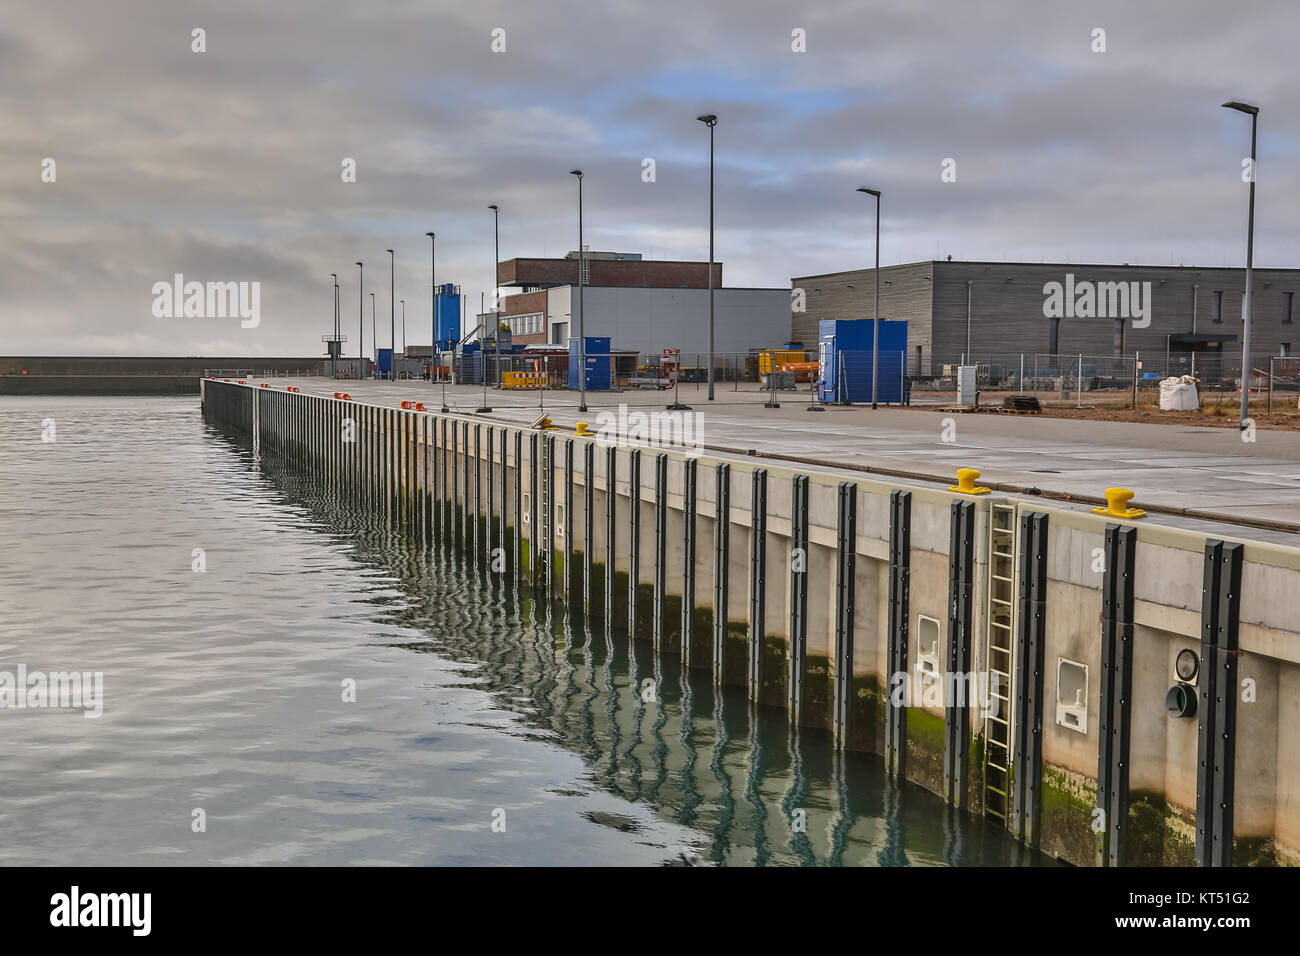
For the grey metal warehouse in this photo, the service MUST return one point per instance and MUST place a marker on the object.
(993, 308)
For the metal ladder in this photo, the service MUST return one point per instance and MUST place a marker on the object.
(999, 737)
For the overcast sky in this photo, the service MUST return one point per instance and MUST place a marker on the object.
(225, 165)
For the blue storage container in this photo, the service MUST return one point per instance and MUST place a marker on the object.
(844, 356)
(599, 363)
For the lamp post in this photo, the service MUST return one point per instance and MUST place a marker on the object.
(482, 340)
(582, 310)
(374, 334)
(433, 303)
(338, 345)
(710, 120)
(1253, 112)
(875, 325)
(403, 301)
(392, 311)
(361, 322)
(969, 285)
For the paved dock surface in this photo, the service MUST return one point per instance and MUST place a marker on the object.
(1203, 469)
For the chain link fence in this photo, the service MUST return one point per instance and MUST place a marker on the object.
(842, 376)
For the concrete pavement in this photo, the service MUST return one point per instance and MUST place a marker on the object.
(1207, 471)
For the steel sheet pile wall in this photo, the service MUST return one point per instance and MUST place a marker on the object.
(866, 608)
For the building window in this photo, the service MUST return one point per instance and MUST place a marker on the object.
(1216, 310)
(529, 324)
(1287, 297)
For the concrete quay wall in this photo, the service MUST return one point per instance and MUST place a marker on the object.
(865, 608)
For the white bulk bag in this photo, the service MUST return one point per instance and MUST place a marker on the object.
(1178, 394)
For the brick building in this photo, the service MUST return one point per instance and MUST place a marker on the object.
(642, 305)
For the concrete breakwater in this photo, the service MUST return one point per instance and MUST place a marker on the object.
(1113, 692)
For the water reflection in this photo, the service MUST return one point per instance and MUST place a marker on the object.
(759, 792)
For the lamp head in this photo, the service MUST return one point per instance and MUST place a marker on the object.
(1241, 107)
(493, 207)
(708, 119)
(358, 264)
(430, 235)
(389, 251)
(869, 192)
(576, 172)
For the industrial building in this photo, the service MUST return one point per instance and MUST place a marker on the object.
(643, 306)
(994, 308)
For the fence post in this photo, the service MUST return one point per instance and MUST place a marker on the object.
(1270, 385)
(771, 380)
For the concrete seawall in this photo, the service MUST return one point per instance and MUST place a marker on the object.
(1011, 656)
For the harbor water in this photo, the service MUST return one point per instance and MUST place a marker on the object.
(287, 680)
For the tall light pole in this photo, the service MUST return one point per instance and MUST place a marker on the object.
(1253, 111)
(710, 120)
(582, 310)
(392, 311)
(875, 325)
(969, 285)
(361, 322)
(338, 345)
(403, 301)
(374, 334)
(482, 336)
(433, 304)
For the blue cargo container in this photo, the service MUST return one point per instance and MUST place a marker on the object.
(599, 363)
(384, 365)
(844, 356)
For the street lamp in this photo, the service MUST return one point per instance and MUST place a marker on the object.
(433, 303)
(710, 120)
(338, 345)
(403, 328)
(361, 322)
(392, 311)
(374, 334)
(875, 325)
(1253, 111)
(482, 339)
(582, 311)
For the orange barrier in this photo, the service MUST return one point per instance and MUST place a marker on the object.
(413, 406)
(343, 396)
(803, 371)
(266, 385)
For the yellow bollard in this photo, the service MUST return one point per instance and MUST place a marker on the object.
(966, 482)
(1117, 505)
(583, 429)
